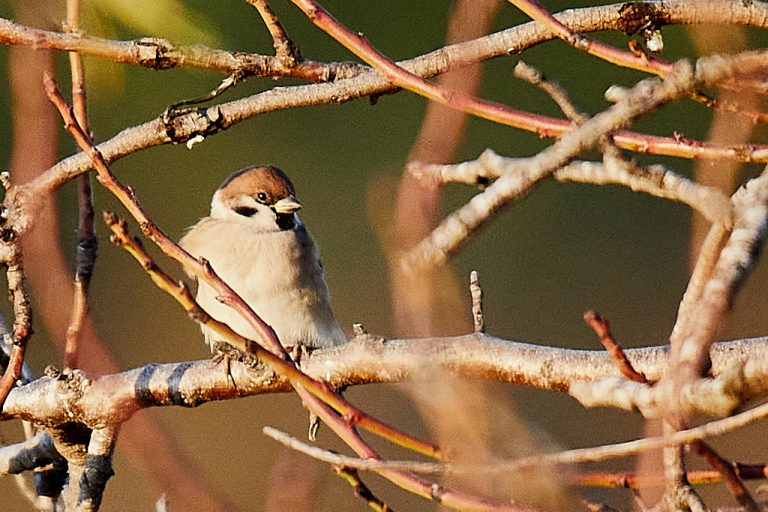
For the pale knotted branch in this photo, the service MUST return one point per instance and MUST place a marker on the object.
(690, 343)
(656, 180)
(51, 400)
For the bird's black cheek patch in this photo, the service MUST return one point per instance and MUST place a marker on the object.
(285, 221)
(246, 211)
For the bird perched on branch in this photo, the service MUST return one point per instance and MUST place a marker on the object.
(256, 242)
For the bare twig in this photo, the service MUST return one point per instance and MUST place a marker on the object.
(86, 237)
(361, 490)
(729, 475)
(477, 302)
(602, 328)
(285, 50)
(655, 180)
(559, 95)
(593, 47)
(33, 453)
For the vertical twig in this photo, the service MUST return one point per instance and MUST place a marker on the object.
(477, 302)
(86, 237)
(285, 50)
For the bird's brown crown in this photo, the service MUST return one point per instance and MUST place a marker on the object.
(267, 179)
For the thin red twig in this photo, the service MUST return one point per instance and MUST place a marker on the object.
(602, 328)
(634, 480)
(729, 475)
(285, 50)
(86, 236)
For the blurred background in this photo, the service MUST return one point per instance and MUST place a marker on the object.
(542, 262)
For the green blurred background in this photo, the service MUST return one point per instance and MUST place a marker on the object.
(561, 250)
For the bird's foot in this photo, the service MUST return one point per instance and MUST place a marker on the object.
(297, 352)
(226, 359)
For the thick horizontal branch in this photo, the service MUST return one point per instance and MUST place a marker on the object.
(364, 360)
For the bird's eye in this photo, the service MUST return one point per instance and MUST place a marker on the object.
(261, 196)
(245, 211)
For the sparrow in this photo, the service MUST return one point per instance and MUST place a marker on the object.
(256, 242)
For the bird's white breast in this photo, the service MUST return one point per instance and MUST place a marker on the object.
(277, 273)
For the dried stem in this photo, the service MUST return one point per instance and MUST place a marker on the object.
(87, 242)
(559, 95)
(729, 475)
(361, 490)
(285, 50)
(477, 302)
(602, 328)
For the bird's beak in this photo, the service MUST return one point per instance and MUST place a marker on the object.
(287, 205)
